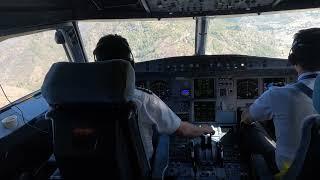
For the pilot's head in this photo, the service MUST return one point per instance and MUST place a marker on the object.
(111, 47)
(305, 50)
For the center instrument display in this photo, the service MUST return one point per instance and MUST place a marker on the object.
(203, 88)
(204, 111)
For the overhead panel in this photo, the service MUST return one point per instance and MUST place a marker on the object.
(31, 5)
(107, 4)
(201, 6)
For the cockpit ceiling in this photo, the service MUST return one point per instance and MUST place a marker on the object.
(198, 6)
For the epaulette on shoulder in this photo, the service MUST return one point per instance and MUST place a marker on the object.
(145, 90)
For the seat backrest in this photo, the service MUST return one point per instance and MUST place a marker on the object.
(307, 158)
(95, 128)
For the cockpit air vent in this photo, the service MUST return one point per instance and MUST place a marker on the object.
(198, 6)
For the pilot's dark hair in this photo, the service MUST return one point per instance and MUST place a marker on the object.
(305, 50)
(111, 47)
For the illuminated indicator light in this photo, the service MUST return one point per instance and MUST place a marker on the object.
(185, 92)
(242, 65)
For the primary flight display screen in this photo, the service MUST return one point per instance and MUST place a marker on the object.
(204, 111)
(203, 88)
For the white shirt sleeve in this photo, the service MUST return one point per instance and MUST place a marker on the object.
(261, 109)
(165, 120)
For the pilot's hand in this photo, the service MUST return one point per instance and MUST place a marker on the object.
(207, 129)
(245, 117)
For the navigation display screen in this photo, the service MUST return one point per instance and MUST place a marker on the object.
(203, 88)
(247, 88)
(204, 111)
(271, 82)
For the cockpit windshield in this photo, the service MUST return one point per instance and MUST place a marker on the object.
(266, 35)
(148, 40)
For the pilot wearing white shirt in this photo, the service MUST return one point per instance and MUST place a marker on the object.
(287, 106)
(152, 111)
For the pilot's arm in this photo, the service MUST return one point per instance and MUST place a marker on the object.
(189, 130)
(260, 110)
(167, 122)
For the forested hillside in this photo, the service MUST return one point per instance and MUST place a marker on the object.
(148, 39)
(24, 61)
(264, 35)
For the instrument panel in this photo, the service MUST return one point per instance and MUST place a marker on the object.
(209, 89)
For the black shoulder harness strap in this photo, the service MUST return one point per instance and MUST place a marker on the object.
(144, 90)
(305, 89)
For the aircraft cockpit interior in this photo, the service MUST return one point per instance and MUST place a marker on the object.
(64, 115)
(211, 90)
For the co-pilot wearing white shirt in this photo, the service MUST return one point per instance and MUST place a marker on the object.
(152, 111)
(287, 106)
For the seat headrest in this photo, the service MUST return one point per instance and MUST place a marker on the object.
(316, 94)
(98, 82)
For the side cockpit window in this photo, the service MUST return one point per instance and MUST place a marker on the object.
(24, 61)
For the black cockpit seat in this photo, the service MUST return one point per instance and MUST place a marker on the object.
(95, 128)
(306, 163)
